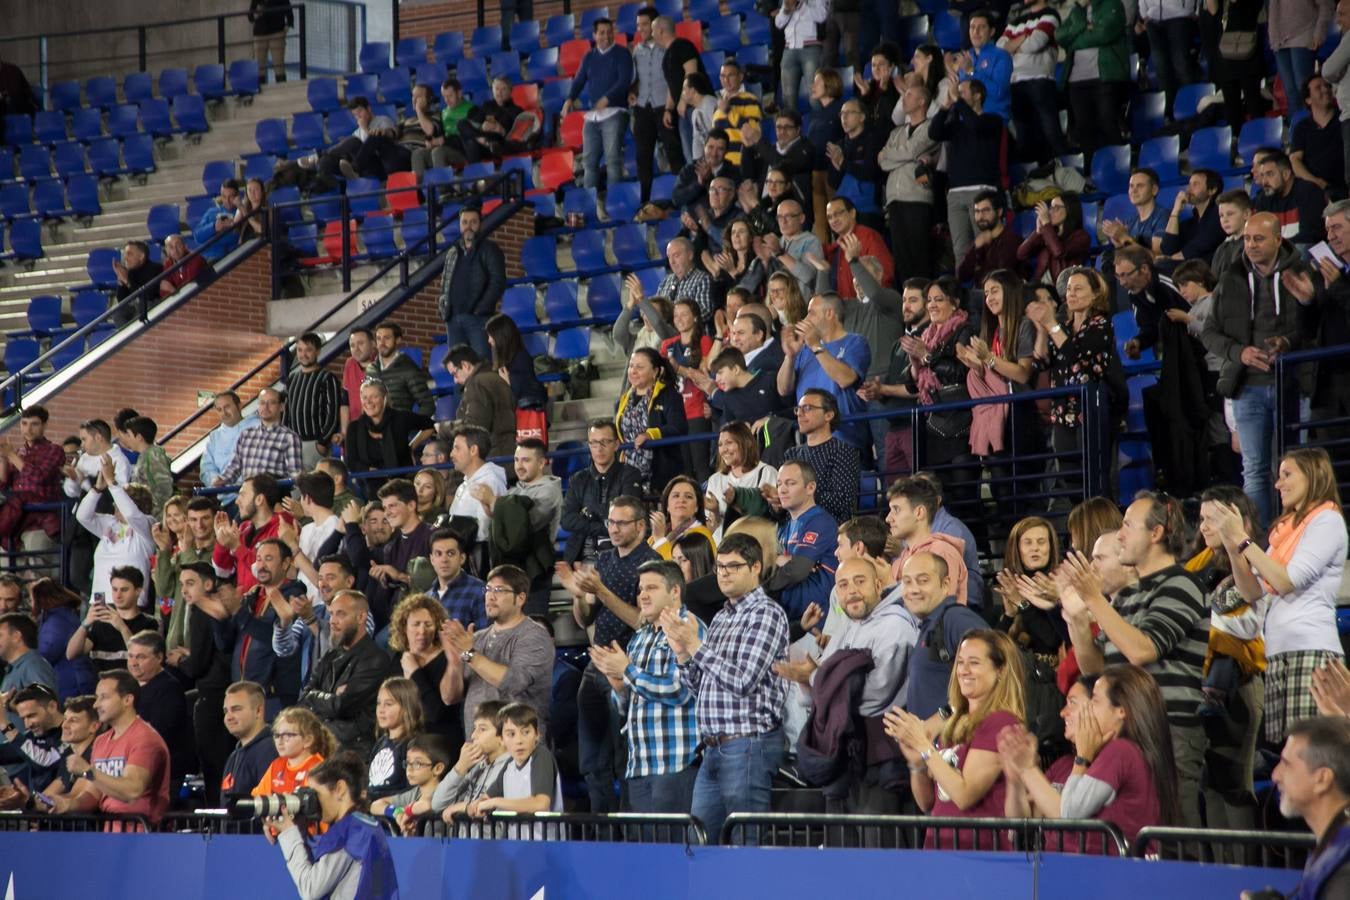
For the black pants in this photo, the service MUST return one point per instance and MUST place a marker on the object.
(1035, 109)
(347, 149)
(911, 231)
(381, 156)
(648, 128)
(214, 743)
(1096, 114)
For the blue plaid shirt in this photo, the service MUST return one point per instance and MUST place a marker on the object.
(463, 600)
(662, 730)
(738, 693)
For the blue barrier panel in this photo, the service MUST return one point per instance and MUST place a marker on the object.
(192, 867)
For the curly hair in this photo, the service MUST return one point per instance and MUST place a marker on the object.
(309, 726)
(398, 622)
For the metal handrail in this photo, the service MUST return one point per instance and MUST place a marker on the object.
(74, 822)
(1210, 843)
(515, 180)
(627, 828)
(139, 298)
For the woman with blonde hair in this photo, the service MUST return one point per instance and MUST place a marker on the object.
(962, 775)
(1299, 574)
(414, 637)
(431, 494)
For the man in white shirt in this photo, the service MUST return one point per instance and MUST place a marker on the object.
(469, 453)
(323, 534)
(799, 21)
(95, 443)
(220, 443)
(124, 538)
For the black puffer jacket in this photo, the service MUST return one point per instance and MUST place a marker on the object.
(486, 284)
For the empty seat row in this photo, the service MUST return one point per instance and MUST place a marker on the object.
(210, 81)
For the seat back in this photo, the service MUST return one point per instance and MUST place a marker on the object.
(244, 77)
(214, 173)
(396, 86)
(173, 82)
(86, 306)
(49, 126)
(210, 81)
(25, 239)
(139, 151)
(570, 55)
(322, 94)
(155, 118)
(525, 35)
(82, 194)
(518, 304)
(87, 124)
(163, 220)
(101, 91)
(560, 302)
(100, 267)
(65, 96)
(485, 39)
(44, 314)
(374, 56)
(270, 136)
(189, 111)
(410, 52)
(448, 47)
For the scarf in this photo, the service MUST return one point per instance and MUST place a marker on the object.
(1285, 536)
(987, 419)
(934, 336)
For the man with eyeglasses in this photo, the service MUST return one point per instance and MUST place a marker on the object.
(853, 170)
(740, 698)
(705, 225)
(1151, 295)
(604, 599)
(511, 660)
(995, 245)
(835, 461)
(788, 251)
(589, 492)
(790, 152)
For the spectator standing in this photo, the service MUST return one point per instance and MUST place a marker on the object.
(485, 398)
(469, 452)
(735, 107)
(1335, 70)
(680, 61)
(1096, 42)
(820, 354)
(271, 19)
(650, 409)
(842, 216)
(57, 610)
(414, 642)
(1151, 295)
(1030, 38)
(824, 129)
(254, 751)
(315, 408)
(650, 99)
(700, 99)
(1235, 208)
(881, 92)
(455, 589)
(590, 491)
(853, 169)
(912, 508)
(907, 158)
(162, 703)
(267, 448)
(153, 468)
(975, 152)
(95, 444)
(123, 537)
(401, 565)
(808, 538)
(800, 22)
(987, 63)
(261, 515)
(1171, 29)
(739, 696)
(834, 460)
(608, 72)
(207, 668)
(404, 380)
(1296, 30)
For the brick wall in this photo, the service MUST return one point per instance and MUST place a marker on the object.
(204, 345)
(429, 19)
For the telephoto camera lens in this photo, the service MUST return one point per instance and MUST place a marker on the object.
(303, 804)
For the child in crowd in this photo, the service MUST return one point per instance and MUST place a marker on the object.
(426, 760)
(528, 783)
(302, 743)
(398, 718)
(480, 762)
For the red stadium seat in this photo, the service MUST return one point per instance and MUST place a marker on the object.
(555, 169)
(570, 55)
(572, 126)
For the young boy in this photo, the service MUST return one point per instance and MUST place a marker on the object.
(480, 762)
(427, 759)
(528, 783)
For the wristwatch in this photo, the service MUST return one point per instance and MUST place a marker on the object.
(1056, 328)
(818, 349)
(88, 773)
(467, 656)
(1082, 761)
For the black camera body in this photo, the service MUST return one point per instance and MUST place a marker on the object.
(303, 804)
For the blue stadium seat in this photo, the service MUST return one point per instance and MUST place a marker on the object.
(396, 86)
(163, 220)
(626, 21)
(525, 164)
(86, 306)
(18, 129)
(100, 267)
(1188, 100)
(505, 62)
(1161, 154)
(49, 200)
(581, 200)
(588, 17)
(559, 30)
(588, 251)
(21, 352)
(539, 256)
(518, 304)
(704, 10)
(630, 246)
(712, 62)
(49, 126)
(87, 125)
(374, 56)
(65, 354)
(431, 74)
(650, 278)
(913, 32)
(44, 314)
(210, 81)
(666, 230)
(139, 153)
(25, 239)
(14, 201)
(35, 162)
(602, 296)
(414, 229)
(214, 173)
(622, 200)
(663, 186)
(947, 31)
(484, 40)
(65, 96)
(307, 131)
(138, 86)
(259, 165)
(362, 206)
(377, 234)
(448, 47)
(757, 29)
(572, 343)
(197, 206)
(1111, 168)
(189, 111)
(1211, 148)
(753, 55)
(410, 52)
(363, 85)
(244, 78)
(124, 121)
(105, 158)
(1146, 115)
(289, 215)
(560, 302)
(552, 95)
(545, 205)
(322, 94)
(68, 157)
(173, 83)
(1258, 133)
(724, 33)
(100, 91)
(7, 172)
(305, 239)
(524, 35)
(473, 76)
(672, 8)
(82, 193)
(155, 118)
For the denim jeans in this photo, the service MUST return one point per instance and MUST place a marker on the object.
(736, 777)
(798, 66)
(669, 793)
(597, 740)
(466, 328)
(686, 129)
(1296, 67)
(1254, 411)
(607, 136)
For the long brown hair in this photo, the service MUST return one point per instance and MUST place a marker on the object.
(1132, 689)
(409, 700)
(48, 595)
(740, 433)
(1090, 520)
(1012, 553)
(1315, 465)
(1007, 696)
(1010, 319)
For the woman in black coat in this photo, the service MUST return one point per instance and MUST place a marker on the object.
(650, 409)
(383, 437)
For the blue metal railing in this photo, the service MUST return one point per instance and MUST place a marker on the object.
(1294, 431)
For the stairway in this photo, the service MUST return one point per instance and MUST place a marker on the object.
(126, 204)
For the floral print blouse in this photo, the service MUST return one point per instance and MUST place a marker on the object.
(1082, 359)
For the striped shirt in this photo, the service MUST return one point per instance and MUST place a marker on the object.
(738, 692)
(274, 449)
(743, 108)
(662, 729)
(1169, 608)
(313, 403)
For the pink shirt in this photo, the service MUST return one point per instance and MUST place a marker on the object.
(140, 745)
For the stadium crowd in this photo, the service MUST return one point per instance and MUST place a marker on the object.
(749, 607)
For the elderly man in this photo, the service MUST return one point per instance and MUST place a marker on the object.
(819, 353)
(195, 269)
(789, 253)
(268, 447)
(685, 280)
(1313, 778)
(842, 217)
(1326, 310)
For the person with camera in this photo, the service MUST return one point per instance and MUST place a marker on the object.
(351, 859)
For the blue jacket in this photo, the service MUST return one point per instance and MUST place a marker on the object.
(813, 536)
(205, 229)
(993, 69)
(609, 75)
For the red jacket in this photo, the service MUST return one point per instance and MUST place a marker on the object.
(870, 243)
(239, 562)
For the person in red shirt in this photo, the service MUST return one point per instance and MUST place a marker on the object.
(260, 515)
(30, 474)
(195, 269)
(362, 345)
(842, 216)
(689, 351)
(128, 770)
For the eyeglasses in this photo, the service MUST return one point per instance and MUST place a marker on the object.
(413, 764)
(1058, 206)
(1123, 275)
(498, 590)
(284, 735)
(607, 442)
(805, 407)
(728, 567)
(619, 523)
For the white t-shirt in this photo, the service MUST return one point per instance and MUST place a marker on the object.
(466, 504)
(1305, 618)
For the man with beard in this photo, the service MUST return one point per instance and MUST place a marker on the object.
(1313, 778)
(206, 667)
(1201, 234)
(995, 245)
(1295, 202)
(890, 390)
(342, 688)
(314, 403)
(261, 516)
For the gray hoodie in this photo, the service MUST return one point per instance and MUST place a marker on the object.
(1337, 71)
(890, 632)
(546, 492)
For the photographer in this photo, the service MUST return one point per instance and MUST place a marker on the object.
(352, 858)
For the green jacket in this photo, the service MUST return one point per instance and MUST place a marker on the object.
(155, 472)
(406, 383)
(168, 566)
(1108, 34)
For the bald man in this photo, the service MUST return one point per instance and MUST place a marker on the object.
(1254, 319)
(344, 684)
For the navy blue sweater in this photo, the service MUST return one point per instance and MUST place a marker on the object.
(609, 74)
